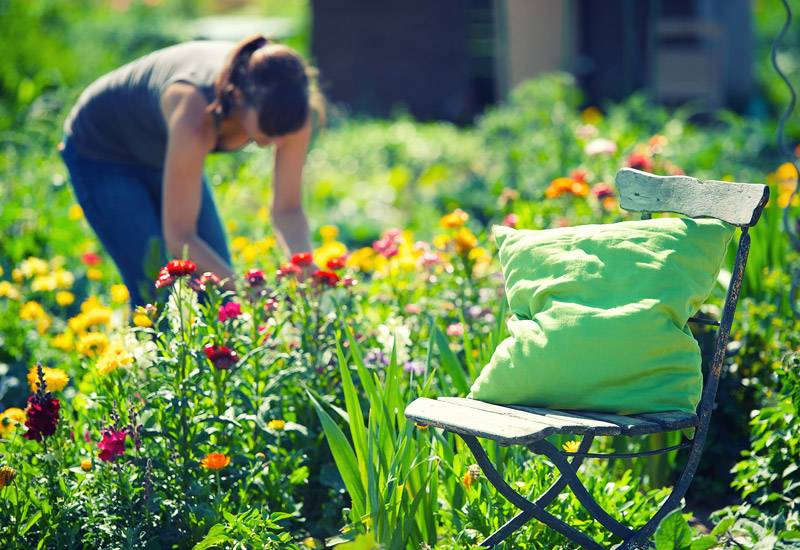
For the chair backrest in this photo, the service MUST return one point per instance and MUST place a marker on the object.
(739, 204)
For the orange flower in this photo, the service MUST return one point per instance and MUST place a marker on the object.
(472, 475)
(215, 461)
(559, 186)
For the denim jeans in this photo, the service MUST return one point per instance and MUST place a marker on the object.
(122, 203)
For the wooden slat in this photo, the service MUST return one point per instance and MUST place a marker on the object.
(671, 420)
(628, 425)
(557, 419)
(506, 429)
(736, 203)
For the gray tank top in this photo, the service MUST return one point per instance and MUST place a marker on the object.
(118, 117)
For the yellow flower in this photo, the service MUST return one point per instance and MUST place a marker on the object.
(86, 464)
(238, 243)
(113, 357)
(88, 318)
(215, 461)
(250, 253)
(264, 245)
(479, 255)
(591, 115)
(276, 425)
(786, 172)
(92, 343)
(571, 446)
(328, 233)
(262, 214)
(94, 274)
(472, 475)
(465, 240)
(64, 278)
(64, 298)
(310, 542)
(119, 294)
(54, 379)
(441, 241)
(90, 303)
(454, 219)
(16, 275)
(33, 311)
(75, 212)
(362, 259)
(10, 419)
(7, 475)
(329, 251)
(32, 266)
(63, 341)
(142, 320)
(44, 283)
(8, 290)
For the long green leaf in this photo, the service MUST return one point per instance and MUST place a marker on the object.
(356, 416)
(450, 363)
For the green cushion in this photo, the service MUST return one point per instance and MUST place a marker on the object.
(599, 315)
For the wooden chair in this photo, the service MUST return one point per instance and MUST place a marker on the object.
(737, 203)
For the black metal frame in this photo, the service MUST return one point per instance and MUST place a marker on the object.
(568, 469)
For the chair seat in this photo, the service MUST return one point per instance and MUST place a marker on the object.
(513, 425)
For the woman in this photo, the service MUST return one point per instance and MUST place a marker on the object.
(136, 141)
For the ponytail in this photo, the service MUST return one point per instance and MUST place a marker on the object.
(234, 74)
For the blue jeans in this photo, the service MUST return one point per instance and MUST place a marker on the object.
(122, 203)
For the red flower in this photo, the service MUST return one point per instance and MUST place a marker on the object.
(336, 263)
(579, 175)
(255, 277)
(90, 258)
(112, 445)
(41, 416)
(222, 357)
(602, 191)
(510, 220)
(640, 161)
(180, 268)
(209, 277)
(289, 270)
(229, 310)
(328, 278)
(164, 278)
(302, 259)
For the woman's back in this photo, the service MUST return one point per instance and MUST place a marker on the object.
(118, 117)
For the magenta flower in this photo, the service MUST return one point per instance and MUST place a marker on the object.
(112, 445)
(229, 310)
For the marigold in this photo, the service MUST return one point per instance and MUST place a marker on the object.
(362, 259)
(86, 464)
(472, 475)
(113, 357)
(7, 475)
(454, 219)
(64, 298)
(94, 274)
(215, 461)
(120, 294)
(465, 240)
(54, 379)
(92, 343)
(10, 419)
(328, 232)
(63, 341)
(276, 425)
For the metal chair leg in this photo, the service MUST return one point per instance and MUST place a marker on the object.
(523, 503)
(546, 498)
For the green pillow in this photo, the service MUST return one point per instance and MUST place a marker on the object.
(599, 315)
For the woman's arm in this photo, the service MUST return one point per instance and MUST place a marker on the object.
(190, 139)
(288, 217)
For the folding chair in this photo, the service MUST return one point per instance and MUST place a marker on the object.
(737, 203)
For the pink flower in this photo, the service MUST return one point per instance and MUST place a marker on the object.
(586, 131)
(289, 270)
(413, 309)
(456, 329)
(270, 305)
(229, 310)
(600, 146)
(349, 281)
(602, 191)
(640, 161)
(112, 445)
(388, 245)
(254, 277)
(430, 258)
(90, 258)
(510, 220)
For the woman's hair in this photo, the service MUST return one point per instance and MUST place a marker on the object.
(274, 80)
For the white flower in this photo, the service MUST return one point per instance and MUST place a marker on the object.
(145, 352)
(188, 301)
(600, 146)
(394, 333)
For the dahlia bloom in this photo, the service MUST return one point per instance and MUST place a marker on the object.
(112, 445)
(222, 357)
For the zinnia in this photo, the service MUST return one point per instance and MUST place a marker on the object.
(215, 461)
(229, 310)
(112, 445)
(180, 268)
(336, 263)
(328, 278)
(255, 277)
(289, 270)
(222, 357)
(302, 259)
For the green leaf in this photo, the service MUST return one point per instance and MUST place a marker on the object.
(362, 542)
(450, 363)
(673, 533)
(215, 537)
(704, 543)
